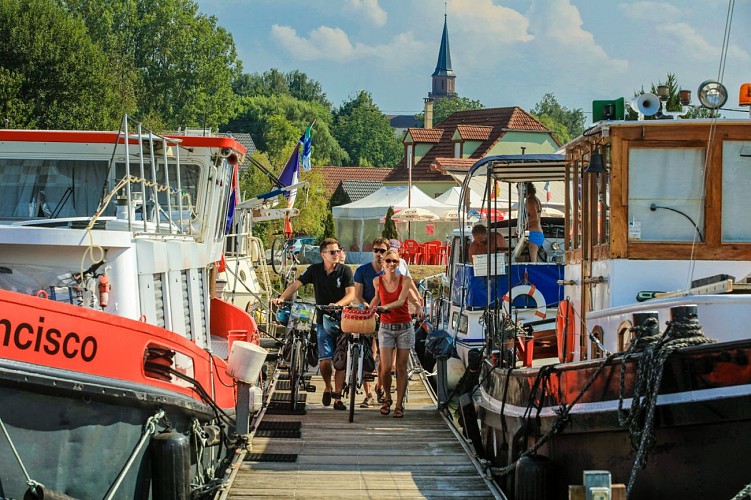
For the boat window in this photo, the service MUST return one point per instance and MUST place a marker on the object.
(625, 336)
(454, 318)
(190, 175)
(50, 187)
(736, 184)
(463, 324)
(665, 194)
(595, 349)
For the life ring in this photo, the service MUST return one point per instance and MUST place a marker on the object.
(565, 321)
(533, 292)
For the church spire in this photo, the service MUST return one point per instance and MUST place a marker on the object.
(443, 76)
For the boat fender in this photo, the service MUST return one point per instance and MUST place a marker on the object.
(42, 294)
(40, 492)
(533, 478)
(170, 466)
(531, 291)
(104, 290)
(565, 321)
(469, 422)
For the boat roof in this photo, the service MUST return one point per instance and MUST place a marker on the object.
(77, 136)
(513, 169)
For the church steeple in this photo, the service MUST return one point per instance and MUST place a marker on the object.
(443, 76)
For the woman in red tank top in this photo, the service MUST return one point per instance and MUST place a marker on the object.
(396, 331)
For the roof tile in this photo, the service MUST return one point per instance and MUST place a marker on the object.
(332, 175)
(425, 134)
(474, 132)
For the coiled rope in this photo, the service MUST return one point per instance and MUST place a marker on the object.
(654, 349)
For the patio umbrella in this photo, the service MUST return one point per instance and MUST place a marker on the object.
(415, 214)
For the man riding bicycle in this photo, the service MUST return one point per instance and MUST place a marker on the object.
(333, 285)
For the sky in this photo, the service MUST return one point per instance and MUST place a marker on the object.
(503, 52)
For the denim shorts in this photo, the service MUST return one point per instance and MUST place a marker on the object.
(401, 338)
(326, 343)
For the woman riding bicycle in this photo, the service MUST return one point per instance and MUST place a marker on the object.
(396, 330)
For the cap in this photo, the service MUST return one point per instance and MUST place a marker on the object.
(395, 244)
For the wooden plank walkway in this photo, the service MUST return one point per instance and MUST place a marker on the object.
(376, 456)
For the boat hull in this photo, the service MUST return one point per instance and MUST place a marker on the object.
(702, 423)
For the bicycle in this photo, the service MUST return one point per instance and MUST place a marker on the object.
(299, 328)
(282, 256)
(355, 355)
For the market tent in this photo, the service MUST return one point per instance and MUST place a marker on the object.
(358, 223)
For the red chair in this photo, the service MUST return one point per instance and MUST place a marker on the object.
(411, 251)
(432, 253)
(444, 254)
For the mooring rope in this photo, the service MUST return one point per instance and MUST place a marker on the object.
(744, 493)
(640, 418)
(32, 484)
(148, 430)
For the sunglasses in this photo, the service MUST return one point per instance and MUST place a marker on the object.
(379, 250)
(334, 252)
(391, 261)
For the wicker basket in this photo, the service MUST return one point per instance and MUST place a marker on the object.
(355, 320)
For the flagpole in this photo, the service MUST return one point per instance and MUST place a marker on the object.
(409, 189)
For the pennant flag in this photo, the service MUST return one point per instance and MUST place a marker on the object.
(233, 196)
(495, 191)
(306, 142)
(548, 194)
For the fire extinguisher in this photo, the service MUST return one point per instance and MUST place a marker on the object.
(104, 290)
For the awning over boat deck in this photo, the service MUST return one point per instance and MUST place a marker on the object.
(514, 168)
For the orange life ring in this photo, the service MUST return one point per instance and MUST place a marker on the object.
(533, 292)
(565, 321)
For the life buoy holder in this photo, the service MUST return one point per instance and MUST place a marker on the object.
(565, 323)
(531, 291)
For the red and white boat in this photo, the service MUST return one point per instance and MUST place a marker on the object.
(108, 384)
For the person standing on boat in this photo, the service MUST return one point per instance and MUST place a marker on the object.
(392, 291)
(479, 245)
(534, 209)
(333, 284)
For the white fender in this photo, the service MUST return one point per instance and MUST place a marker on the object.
(533, 292)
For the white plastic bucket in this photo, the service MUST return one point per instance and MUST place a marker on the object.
(245, 361)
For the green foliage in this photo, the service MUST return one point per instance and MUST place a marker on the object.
(550, 112)
(560, 132)
(256, 119)
(389, 228)
(329, 230)
(52, 74)
(443, 108)
(185, 64)
(273, 82)
(365, 133)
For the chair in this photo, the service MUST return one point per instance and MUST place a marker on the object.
(432, 252)
(411, 251)
(444, 254)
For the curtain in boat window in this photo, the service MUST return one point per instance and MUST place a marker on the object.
(673, 181)
(41, 188)
(736, 186)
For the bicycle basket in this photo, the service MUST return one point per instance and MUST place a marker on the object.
(356, 320)
(301, 315)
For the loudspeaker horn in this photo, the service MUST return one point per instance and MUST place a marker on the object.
(648, 104)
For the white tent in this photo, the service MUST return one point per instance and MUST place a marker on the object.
(358, 223)
(451, 198)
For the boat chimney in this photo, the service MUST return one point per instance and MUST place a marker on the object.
(684, 313)
(428, 113)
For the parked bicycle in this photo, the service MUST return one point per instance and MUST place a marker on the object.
(300, 326)
(356, 347)
(282, 254)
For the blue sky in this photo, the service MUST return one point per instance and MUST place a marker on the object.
(504, 52)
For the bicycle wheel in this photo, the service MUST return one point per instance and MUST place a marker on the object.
(279, 256)
(354, 368)
(295, 373)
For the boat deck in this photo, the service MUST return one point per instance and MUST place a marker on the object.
(376, 456)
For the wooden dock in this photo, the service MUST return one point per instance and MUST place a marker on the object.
(376, 456)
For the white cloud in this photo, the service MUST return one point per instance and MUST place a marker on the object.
(487, 20)
(649, 10)
(333, 44)
(370, 9)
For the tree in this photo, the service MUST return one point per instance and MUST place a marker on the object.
(389, 228)
(550, 112)
(52, 75)
(273, 82)
(255, 118)
(365, 133)
(185, 62)
(329, 230)
(443, 108)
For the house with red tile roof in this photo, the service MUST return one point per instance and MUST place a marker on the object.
(348, 184)
(462, 139)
